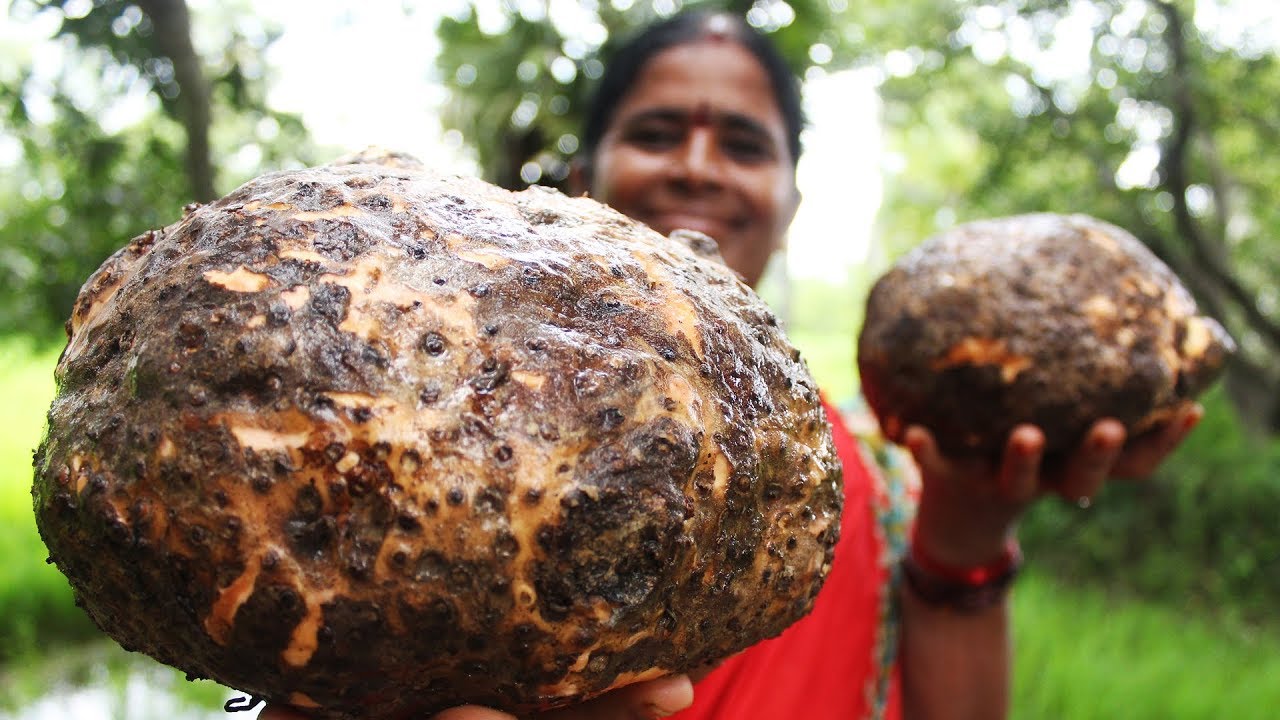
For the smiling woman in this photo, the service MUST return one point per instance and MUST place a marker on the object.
(700, 145)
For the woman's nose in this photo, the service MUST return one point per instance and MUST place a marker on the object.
(699, 162)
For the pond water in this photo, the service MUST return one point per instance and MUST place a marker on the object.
(103, 682)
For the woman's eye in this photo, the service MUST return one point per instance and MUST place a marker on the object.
(746, 149)
(654, 137)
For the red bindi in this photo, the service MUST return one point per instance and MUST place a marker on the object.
(701, 116)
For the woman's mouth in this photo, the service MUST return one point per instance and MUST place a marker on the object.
(715, 228)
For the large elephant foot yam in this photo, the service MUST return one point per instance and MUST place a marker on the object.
(1048, 319)
(376, 441)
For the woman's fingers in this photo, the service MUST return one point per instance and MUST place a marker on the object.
(641, 701)
(919, 442)
(1145, 453)
(280, 712)
(1020, 469)
(472, 712)
(1092, 462)
(1104, 454)
(1016, 479)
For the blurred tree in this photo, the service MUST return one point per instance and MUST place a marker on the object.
(115, 130)
(1147, 113)
(155, 36)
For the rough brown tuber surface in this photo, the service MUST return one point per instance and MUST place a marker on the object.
(1048, 319)
(378, 441)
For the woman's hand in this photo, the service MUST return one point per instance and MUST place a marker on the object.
(641, 701)
(969, 507)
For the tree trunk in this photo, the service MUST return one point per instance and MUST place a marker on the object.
(1253, 386)
(172, 23)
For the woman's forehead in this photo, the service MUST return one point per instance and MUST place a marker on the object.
(706, 76)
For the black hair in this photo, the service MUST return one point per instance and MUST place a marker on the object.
(680, 29)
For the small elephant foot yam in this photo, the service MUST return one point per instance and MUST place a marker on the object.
(1056, 320)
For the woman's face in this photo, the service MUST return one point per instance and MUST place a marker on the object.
(699, 143)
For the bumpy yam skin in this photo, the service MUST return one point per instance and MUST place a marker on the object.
(377, 441)
(1057, 320)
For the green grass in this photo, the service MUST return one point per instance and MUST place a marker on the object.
(26, 387)
(115, 683)
(1081, 655)
(36, 605)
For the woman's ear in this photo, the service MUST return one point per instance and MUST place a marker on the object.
(795, 205)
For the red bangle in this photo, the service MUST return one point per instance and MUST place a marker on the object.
(974, 576)
(967, 590)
